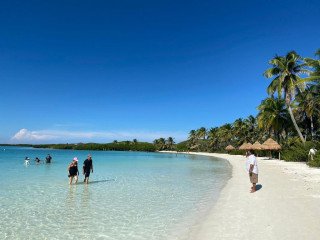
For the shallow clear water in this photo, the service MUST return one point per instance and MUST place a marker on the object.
(132, 195)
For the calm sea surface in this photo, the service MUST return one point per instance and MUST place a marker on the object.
(132, 195)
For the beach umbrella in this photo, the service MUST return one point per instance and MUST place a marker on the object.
(257, 146)
(271, 145)
(230, 147)
(246, 146)
(242, 146)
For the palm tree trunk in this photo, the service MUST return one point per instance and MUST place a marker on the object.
(312, 128)
(296, 125)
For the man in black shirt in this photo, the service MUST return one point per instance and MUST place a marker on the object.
(87, 167)
(48, 159)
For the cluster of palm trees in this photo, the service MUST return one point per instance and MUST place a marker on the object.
(217, 138)
(290, 113)
(164, 144)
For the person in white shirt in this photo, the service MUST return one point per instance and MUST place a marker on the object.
(312, 152)
(252, 169)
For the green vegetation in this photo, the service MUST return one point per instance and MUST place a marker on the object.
(290, 114)
(114, 146)
(164, 144)
(315, 162)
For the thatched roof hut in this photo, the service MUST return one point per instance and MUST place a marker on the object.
(257, 146)
(271, 144)
(246, 146)
(230, 147)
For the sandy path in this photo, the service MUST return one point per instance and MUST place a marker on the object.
(286, 207)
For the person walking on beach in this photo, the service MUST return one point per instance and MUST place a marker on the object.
(87, 167)
(252, 169)
(312, 152)
(73, 170)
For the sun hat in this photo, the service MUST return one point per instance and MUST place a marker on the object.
(75, 159)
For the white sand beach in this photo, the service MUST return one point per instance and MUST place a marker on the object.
(287, 206)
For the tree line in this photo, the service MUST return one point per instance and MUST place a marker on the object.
(290, 113)
(114, 146)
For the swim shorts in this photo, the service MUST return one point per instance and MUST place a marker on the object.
(253, 178)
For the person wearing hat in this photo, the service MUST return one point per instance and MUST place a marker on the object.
(87, 167)
(73, 170)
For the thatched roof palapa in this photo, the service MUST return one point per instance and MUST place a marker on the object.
(257, 146)
(271, 144)
(230, 147)
(246, 146)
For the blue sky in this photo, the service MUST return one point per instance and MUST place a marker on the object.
(85, 71)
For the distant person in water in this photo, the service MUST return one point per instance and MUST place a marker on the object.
(73, 170)
(48, 158)
(252, 169)
(27, 161)
(37, 160)
(87, 168)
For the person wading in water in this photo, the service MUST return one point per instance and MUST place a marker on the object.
(87, 167)
(73, 170)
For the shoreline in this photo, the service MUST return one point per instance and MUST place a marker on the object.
(285, 207)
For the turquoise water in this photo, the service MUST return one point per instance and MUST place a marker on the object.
(132, 195)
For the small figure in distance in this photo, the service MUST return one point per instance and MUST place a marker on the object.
(27, 161)
(312, 152)
(48, 158)
(252, 168)
(87, 167)
(73, 170)
(37, 160)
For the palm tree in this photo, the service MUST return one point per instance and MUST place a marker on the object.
(213, 138)
(314, 64)
(273, 116)
(309, 103)
(160, 143)
(250, 129)
(202, 133)
(287, 82)
(169, 143)
(225, 135)
(193, 140)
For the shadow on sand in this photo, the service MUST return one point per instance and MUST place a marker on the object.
(258, 187)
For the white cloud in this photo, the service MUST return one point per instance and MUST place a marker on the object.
(25, 134)
(56, 136)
